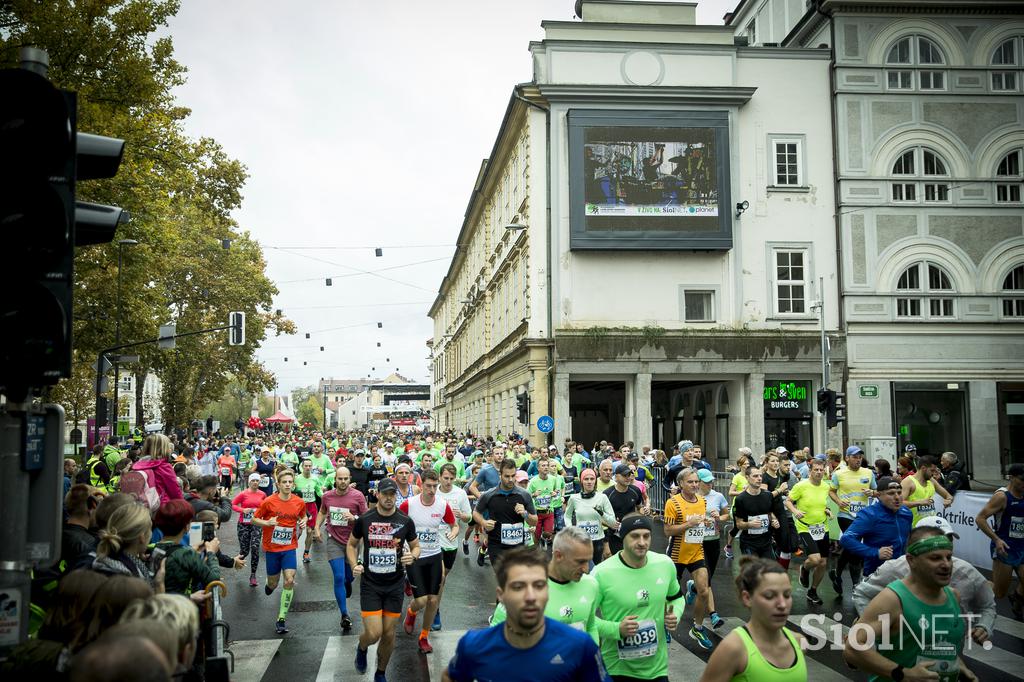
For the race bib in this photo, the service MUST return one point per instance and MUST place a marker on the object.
(1016, 527)
(543, 501)
(926, 509)
(316, 472)
(428, 541)
(336, 515)
(856, 507)
(947, 670)
(511, 533)
(817, 531)
(641, 644)
(309, 495)
(758, 530)
(694, 535)
(282, 535)
(225, 471)
(264, 481)
(247, 515)
(593, 529)
(383, 560)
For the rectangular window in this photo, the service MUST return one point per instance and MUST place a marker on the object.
(787, 168)
(936, 191)
(904, 191)
(908, 307)
(1008, 193)
(940, 307)
(698, 306)
(1013, 307)
(900, 80)
(1004, 80)
(933, 80)
(790, 281)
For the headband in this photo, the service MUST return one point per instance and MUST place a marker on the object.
(930, 544)
(635, 523)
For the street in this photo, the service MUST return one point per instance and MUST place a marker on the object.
(316, 649)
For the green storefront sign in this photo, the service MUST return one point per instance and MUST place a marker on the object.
(785, 398)
(869, 391)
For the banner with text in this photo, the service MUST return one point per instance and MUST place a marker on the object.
(973, 545)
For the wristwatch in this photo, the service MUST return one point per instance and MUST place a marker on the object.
(897, 673)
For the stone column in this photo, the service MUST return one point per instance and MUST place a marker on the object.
(642, 424)
(754, 403)
(563, 427)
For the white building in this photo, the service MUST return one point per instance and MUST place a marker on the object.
(641, 295)
(930, 138)
(152, 388)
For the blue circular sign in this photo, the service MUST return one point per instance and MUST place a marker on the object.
(545, 424)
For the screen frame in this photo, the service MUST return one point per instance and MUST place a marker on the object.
(629, 238)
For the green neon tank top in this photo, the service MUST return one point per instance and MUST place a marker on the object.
(760, 670)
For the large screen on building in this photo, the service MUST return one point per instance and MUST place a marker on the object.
(649, 180)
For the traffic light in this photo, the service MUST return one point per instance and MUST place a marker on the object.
(824, 400)
(836, 410)
(38, 212)
(236, 333)
(523, 407)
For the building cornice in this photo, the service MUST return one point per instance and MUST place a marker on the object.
(644, 94)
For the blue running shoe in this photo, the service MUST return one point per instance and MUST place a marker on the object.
(717, 621)
(379, 677)
(360, 660)
(697, 633)
(691, 592)
(436, 625)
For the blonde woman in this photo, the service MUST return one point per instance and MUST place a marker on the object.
(739, 482)
(156, 466)
(177, 611)
(122, 546)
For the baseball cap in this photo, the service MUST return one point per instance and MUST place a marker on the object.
(937, 522)
(386, 485)
(886, 482)
(820, 457)
(254, 477)
(705, 476)
(910, 447)
(624, 470)
(685, 445)
(854, 450)
(553, 447)
(781, 450)
(522, 476)
(1016, 470)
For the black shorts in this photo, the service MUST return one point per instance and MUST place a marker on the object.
(225, 481)
(690, 568)
(425, 576)
(448, 558)
(381, 600)
(812, 546)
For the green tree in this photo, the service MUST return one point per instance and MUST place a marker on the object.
(310, 410)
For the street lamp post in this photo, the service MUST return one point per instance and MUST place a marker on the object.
(117, 333)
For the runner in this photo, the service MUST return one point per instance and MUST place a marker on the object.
(754, 512)
(381, 568)
(919, 490)
(507, 507)
(281, 516)
(685, 520)
(605, 471)
(808, 502)
(527, 646)
(715, 502)
(1007, 538)
(323, 468)
(246, 503)
(459, 502)
(264, 466)
(290, 457)
(405, 488)
(763, 649)
(639, 588)
(739, 482)
(226, 466)
(543, 489)
(919, 616)
(309, 489)
(590, 510)
(850, 488)
(427, 511)
(341, 507)
(625, 499)
(880, 531)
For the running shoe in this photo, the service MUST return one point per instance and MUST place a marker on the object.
(410, 622)
(697, 632)
(305, 557)
(436, 625)
(360, 660)
(252, 580)
(481, 558)
(728, 551)
(268, 590)
(379, 676)
(812, 596)
(425, 647)
(281, 629)
(805, 576)
(346, 622)
(691, 592)
(717, 621)
(837, 581)
(465, 547)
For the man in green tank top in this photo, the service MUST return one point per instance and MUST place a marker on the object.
(919, 490)
(914, 626)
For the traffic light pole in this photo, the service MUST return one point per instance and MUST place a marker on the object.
(824, 360)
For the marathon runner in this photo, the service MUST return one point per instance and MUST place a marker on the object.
(281, 516)
(625, 499)
(919, 616)
(459, 502)
(507, 507)
(685, 520)
(808, 503)
(264, 466)
(323, 468)
(880, 531)
(289, 457)
(850, 488)
(763, 649)
(307, 486)
(754, 512)
(640, 588)
(427, 511)
(715, 502)
(589, 511)
(382, 532)
(246, 503)
(543, 488)
(605, 471)
(919, 490)
(527, 646)
(226, 466)
(1007, 538)
(341, 507)
(405, 489)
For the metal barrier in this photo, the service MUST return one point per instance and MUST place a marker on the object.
(220, 662)
(658, 494)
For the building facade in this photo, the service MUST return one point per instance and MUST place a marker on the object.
(929, 128)
(646, 243)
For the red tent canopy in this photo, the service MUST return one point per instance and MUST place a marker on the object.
(279, 417)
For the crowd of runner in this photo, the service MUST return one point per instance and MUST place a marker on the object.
(567, 531)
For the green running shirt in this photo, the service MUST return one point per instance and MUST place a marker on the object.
(570, 603)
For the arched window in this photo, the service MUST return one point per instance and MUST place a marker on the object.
(1013, 306)
(1005, 58)
(1009, 179)
(910, 52)
(922, 292)
(920, 169)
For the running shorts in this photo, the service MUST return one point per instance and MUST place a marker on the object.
(1012, 559)
(425, 576)
(280, 561)
(448, 558)
(812, 546)
(689, 568)
(385, 600)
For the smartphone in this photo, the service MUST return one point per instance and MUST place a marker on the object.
(155, 557)
(209, 531)
(195, 534)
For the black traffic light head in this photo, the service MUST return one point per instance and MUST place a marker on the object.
(824, 400)
(523, 407)
(837, 410)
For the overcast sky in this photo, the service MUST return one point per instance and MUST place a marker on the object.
(363, 125)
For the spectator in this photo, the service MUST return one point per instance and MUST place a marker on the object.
(159, 633)
(129, 659)
(882, 468)
(96, 472)
(185, 569)
(206, 495)
(210, 516)
(106, 606)
(905, 467)
(77, 540)
(70, 469)
(953, 476)
(176, 611)
(155, 463)
(123, 543)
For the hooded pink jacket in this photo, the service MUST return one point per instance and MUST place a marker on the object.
(163, 474)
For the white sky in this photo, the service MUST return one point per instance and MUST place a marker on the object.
(362, 124)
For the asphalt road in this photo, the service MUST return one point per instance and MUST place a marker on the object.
(316, 648)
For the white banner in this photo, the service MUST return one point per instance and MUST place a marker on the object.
(973, 545)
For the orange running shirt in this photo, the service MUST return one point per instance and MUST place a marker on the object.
(284, 535)
(688, 547)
